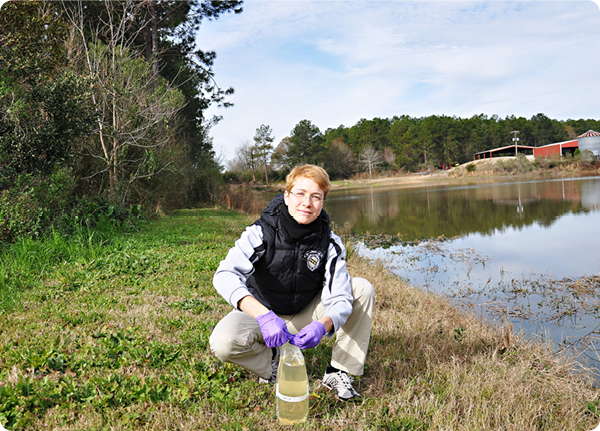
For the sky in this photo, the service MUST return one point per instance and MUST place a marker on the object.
(336, 62)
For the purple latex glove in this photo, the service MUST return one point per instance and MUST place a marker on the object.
(309, 336)
(274, 330)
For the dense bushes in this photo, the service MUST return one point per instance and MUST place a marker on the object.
(35, 205)
(125, 128)
(246, 177)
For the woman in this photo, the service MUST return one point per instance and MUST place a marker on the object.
(287, 280)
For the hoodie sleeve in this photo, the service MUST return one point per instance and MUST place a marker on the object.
(233, 271)
(337, 296)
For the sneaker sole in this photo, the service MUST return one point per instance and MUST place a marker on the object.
(330, 388)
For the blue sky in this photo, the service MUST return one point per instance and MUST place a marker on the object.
(335, 62)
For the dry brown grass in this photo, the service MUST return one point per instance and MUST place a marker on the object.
(244, 199)
(429, 361)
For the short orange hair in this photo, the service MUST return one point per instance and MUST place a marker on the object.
(312, 172)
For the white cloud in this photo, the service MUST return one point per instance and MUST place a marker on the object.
(335, 62)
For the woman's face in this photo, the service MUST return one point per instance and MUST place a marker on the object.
(305, 201)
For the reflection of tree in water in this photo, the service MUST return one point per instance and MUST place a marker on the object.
(429, 213)
(414, 229)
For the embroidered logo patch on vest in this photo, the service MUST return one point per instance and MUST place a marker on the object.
(313, 259)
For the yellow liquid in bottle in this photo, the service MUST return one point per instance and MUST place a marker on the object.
(292, 390)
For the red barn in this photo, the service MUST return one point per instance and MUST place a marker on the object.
(560, 148)
(590, 141)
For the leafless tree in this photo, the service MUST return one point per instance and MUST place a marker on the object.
(369, 158)
(340, 160)
(242, 161)
(135, 107)
(388, 157)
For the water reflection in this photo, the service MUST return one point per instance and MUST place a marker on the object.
(527, 250)
(430, 212)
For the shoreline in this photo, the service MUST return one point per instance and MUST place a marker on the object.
(484, 172)
(249, 198)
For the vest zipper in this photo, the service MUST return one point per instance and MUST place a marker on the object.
(296, 270)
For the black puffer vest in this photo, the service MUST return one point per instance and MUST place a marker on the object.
(289, 274)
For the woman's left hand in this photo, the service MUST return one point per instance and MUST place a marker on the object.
(309, 336)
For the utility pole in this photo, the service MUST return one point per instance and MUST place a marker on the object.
(515, 140)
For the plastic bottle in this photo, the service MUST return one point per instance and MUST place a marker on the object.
(292, 386)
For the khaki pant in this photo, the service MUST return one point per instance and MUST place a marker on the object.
(237, 337)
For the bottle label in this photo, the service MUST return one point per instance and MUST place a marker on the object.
(291, 399)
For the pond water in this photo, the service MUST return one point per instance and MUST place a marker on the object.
(526, 251)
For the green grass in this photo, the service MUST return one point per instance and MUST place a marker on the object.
(109, 329)
(105, 321)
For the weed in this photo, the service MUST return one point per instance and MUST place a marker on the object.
(196, 305)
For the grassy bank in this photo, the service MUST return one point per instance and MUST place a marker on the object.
(111, 332)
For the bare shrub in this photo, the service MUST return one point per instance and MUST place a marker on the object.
(244, 199)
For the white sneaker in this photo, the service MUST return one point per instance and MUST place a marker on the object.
(342, 384)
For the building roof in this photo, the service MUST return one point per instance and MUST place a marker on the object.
(589, 134)
(570, 141)
(494, 150)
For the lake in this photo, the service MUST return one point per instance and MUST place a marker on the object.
(523, 251)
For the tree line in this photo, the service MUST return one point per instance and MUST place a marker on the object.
(102, 113)
(102, 106)
(400, 143)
